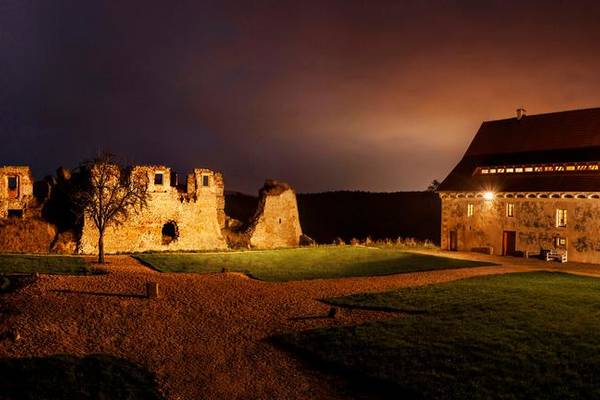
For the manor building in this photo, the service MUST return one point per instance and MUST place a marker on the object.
(527, 185)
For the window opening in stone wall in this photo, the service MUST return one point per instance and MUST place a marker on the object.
(561, 218)
(560, 242)
(15, 213)
(470, 210)
(205, 180)
(510, 210)
(158, 178)
(170, 232)
(13, 183)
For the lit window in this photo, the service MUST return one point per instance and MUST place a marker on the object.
(485, 171)
(570, 168)
(560, 242)
(528, 169)
(13, 183)
(510, 170)
(510, 210)
(518, 170)
(537, 169)
(205, 180)
(470, 210)
(581, 168)
(493, 171)
(560, 168)
(549, 168)
(500, 170)
(593, 167)
(561, 218)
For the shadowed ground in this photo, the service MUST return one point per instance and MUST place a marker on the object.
(97, 376)
(523, 336)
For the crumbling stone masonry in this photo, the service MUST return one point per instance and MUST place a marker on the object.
(36, 217)
(276, 222)
(16, 192)
(178, 217)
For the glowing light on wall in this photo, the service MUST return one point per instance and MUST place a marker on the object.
(488, 196)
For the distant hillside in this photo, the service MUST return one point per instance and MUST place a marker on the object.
(345, 214)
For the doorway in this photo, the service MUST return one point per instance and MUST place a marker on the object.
(509, 243)
(453, 246)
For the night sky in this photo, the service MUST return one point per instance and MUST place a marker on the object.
(370, 95)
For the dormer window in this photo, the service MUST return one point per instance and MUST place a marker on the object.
(158, 178)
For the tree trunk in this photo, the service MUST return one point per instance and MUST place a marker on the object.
(101, 248)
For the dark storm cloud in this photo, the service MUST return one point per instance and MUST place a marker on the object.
(370, 95)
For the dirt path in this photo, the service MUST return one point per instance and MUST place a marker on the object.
(205, 338)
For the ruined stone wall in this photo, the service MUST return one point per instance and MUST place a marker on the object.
(191, 214)
(20, 197)
(534, 222)
(276, 222)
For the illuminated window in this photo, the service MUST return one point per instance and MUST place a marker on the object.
(570, 168)
(528, 169)
(470, 210)
(13, 183)
(518, 170)
(510, 170)
(485, 171)
(560, 242)
(593, 167)
(560, 168)
(158, 178)
(561, 218)
(549, 168)
(510, 210)
(581, 167)
(537, 169)
(205, 180)
(493, 171)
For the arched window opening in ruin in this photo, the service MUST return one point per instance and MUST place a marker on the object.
(170, 232)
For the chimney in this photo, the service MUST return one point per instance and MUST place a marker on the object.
(521, 112)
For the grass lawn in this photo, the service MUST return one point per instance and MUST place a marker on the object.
(66, 377)
(304, 263)
(517, 336)
(44, 264)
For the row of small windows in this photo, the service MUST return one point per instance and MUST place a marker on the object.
(568, 167)
(159, 179)
(561, 214)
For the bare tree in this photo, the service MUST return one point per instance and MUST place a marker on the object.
(108, 193)
(433, 185)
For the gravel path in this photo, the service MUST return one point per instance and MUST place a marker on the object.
(205, 338)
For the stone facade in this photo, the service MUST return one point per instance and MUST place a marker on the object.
(276, 222)
(36, 217)
(533, 221)
(16, 192)
(177, 217)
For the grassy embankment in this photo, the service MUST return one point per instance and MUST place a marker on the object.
(305, 263)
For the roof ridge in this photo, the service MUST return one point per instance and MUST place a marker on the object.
(546, 114)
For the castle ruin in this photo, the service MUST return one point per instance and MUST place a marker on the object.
(187, 216)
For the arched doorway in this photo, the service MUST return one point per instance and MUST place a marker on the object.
(170, 232)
